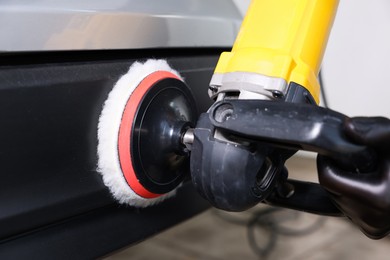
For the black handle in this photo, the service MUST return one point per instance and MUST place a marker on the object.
(292, 126)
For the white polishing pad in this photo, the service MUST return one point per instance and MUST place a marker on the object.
(109, 165)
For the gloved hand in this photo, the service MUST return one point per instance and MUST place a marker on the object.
(363, 197)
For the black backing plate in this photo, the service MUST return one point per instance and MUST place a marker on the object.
(158, 156)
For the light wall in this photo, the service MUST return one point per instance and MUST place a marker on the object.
(356, 66)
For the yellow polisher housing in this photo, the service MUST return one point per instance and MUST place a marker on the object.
(283, 39)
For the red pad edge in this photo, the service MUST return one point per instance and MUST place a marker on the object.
(125, 131)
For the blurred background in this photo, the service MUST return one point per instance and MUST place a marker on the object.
(356, 72)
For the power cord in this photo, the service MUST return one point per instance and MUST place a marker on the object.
(271, 221)
(323, 94)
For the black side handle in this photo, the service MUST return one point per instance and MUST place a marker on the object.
(292, 126)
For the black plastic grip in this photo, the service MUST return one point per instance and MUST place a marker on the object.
(292, 126)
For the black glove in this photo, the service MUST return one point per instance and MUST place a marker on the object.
(363, 197)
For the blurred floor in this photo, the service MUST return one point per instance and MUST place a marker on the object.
(213, 235)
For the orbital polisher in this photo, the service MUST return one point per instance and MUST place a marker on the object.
(266, 96)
